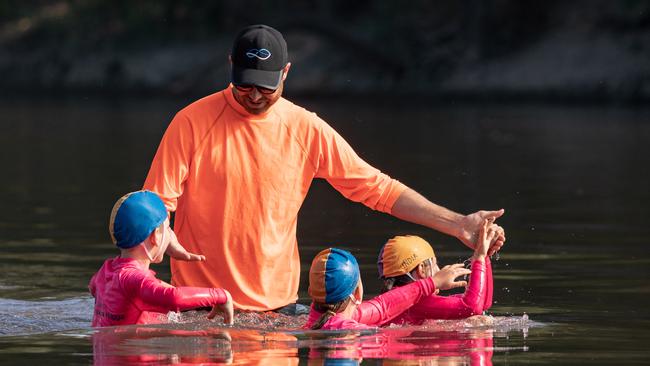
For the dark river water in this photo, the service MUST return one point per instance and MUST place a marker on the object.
(572, 284)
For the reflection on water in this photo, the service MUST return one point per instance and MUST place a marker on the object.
(450, 343)
(573, 180)
(257, 338)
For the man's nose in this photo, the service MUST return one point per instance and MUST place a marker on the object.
(255, 95)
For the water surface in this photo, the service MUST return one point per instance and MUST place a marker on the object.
(570, 285)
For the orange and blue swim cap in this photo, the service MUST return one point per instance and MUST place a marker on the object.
(333, 276)
(134, 217)
(401, 254)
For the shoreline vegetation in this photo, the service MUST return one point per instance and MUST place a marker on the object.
(489, 50)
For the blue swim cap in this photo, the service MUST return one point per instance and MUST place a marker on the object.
(333, 276)
(134, 217)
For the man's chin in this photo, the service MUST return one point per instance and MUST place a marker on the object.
(257, 110)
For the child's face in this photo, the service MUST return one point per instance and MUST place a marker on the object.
(163, 242)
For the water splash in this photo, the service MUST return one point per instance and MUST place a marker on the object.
(245, 319)
(21, 317)
(498, 324)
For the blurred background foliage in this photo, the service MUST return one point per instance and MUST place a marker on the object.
(452, 47)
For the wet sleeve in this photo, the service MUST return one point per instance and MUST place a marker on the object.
(474, 296)
(170, 165)
(390, 304)
(352, 176)
(456, 306)
(489, 284)
(162, 297)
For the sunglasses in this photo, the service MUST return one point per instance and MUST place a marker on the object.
(249, 88)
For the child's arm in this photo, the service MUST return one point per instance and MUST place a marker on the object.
(477, 297)
(472, 302)
(159, 296)
(390, 304)
(489, 283)
(486, 234)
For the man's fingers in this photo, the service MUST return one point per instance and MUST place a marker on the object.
(493, 251)
(496, 246)
(499, 230)
(492, 235)
(493, 215)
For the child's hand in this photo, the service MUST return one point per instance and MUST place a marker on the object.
(177, 251)
(486, 235)
(445, 278)
(226, 309)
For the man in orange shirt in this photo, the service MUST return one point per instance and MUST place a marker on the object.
(235, 167)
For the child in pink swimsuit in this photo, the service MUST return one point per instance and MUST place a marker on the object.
(408, 259)
(336, 290)
(126, 291)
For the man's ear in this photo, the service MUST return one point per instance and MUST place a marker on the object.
(286, 71)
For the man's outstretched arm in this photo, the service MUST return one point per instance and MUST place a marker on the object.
(413, 207)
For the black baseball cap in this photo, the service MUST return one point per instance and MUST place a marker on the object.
(259, 54)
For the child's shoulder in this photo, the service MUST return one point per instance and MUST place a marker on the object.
(125, 268)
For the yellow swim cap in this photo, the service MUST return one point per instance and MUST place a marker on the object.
(401, 254)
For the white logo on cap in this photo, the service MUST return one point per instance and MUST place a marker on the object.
(262, 53)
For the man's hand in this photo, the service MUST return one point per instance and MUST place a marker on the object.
(413, 207)
(176, 250)
(470, 226)
(499, 239)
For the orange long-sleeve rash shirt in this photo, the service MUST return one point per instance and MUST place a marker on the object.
(237, 181)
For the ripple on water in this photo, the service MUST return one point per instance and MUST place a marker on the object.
(20, 317)
(255, 336)
(263, 335)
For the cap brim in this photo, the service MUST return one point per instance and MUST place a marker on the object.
(262, 78)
